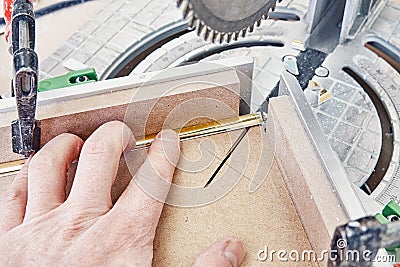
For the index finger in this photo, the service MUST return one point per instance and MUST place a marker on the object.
(98, 165)
(137, 208)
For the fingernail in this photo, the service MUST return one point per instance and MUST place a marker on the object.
(168, 135)
(234, 252)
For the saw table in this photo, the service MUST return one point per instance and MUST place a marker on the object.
(349, 76)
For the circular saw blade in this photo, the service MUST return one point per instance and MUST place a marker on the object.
(225, 20)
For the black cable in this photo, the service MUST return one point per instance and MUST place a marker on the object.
(53, 8)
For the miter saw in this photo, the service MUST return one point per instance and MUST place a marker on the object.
(218, 21)
(225, 20)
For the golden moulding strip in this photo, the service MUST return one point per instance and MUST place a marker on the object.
(186, 133)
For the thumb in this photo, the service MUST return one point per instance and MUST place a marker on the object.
(228, 252)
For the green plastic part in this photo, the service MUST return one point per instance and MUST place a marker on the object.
(391, 209)
(382, 219)
(70, 79)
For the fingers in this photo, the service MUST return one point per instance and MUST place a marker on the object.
(228, 252)
(154, 177)
(98, 165)
(47, 174)
(14, 202)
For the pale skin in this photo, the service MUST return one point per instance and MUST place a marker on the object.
(40, 226)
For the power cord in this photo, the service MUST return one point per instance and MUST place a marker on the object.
(52, 8)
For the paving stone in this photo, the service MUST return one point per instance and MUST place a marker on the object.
(62, 52)
(261, 57)
(98, 63)
(361, 160)
(43, 75)
(356, 116)
(76, 39)
(340, 148)
(118, 23)
(104, 15)
(275, 65)
(147, 15)
(383, 28)
(333, 107)
(135, 31)
(342, 91)
(391, 13)
(133, 7)
(81, 55)
(395, 40)
(104, 33)
(346, 133)
(361, 99)
(356, 176)
(327, 123)
(266, 79)
(370, 141)
(346, 78)
(91, 45)
(168, 16)
(394, 3)
(121, 41)
(48, 64)
(115, 6)
(266, 88)
(159, 6)
(135, 27)
(107, 54)
(58, 70)
(90, 27)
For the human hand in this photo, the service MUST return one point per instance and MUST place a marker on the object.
(39, 225)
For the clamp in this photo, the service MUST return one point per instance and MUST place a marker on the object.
(25, 130)
(367, 234)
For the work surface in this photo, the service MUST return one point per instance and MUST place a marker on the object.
(266, 217)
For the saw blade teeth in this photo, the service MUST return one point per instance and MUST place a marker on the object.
(179, 3)
(251, 28)
(207, 33)
(229, 38)
(200, 27)
(214, 36)
(225, 33)
(236, 36)
(186, 10)
(221, 38)
(192, 21)
(243, 32)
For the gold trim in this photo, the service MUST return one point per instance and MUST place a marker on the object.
(185, 133)
(10, 168)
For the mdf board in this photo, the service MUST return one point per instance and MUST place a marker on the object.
(314, 196)
(265, 217)
(146, 107)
